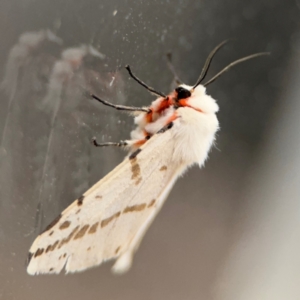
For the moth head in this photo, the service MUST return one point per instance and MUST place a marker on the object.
(195, 97)
(182, 92)
(185, 91)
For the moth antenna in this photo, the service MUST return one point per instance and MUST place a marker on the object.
(120, 144)
(150, 89)
(172, 69)
(208, 62)
(233, 64)
(120, 107)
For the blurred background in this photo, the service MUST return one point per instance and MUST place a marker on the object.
(228, 231)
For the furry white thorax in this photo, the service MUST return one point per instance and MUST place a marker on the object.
(194, 134)
(199, 99)
(194, 129)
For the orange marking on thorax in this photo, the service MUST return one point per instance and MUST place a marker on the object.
(139, 143)
(164, 104)
(143, 141)
(184, 102)
(148, 116)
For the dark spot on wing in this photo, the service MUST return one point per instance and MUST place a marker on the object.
(54, 222)
(88, 249)
(80, 200)
(108, 220)
(67, 239)
(136, 171)
(64, 225)
(78, 211)
(117, 250)
(138, 180)
(51, 233)
(165, 128)
(81, 232)
(29, 257)
(51, 247)
(135, 153)
(39, 252)
(163, 168)
(98, 197)
(152, 202)
(65, 254)
(51, 269)
(93, 228)
(137, 207)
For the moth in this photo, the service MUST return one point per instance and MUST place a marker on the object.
(110, 219)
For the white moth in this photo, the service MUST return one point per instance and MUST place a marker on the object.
(110, 219)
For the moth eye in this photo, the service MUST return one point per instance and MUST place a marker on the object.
(182, 93)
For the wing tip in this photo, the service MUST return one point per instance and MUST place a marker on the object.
(27, 263)
(29, 257)
(123, 263)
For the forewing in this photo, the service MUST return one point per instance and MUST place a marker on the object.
(110, 219)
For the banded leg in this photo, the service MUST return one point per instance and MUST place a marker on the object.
(128, 143)
(120, 144)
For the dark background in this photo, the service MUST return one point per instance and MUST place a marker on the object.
(47, 161)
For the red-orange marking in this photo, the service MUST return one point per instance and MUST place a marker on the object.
(165, 103)
(184, 102)
(149, 116)
(140, 143)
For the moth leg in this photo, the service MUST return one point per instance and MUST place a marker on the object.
(120, 107)
(166, 127)
(169, 124)
(127, 143)
(120, 144)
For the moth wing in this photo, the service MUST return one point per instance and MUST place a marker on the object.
(110, 219)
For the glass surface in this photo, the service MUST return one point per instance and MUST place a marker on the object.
(227, 231)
